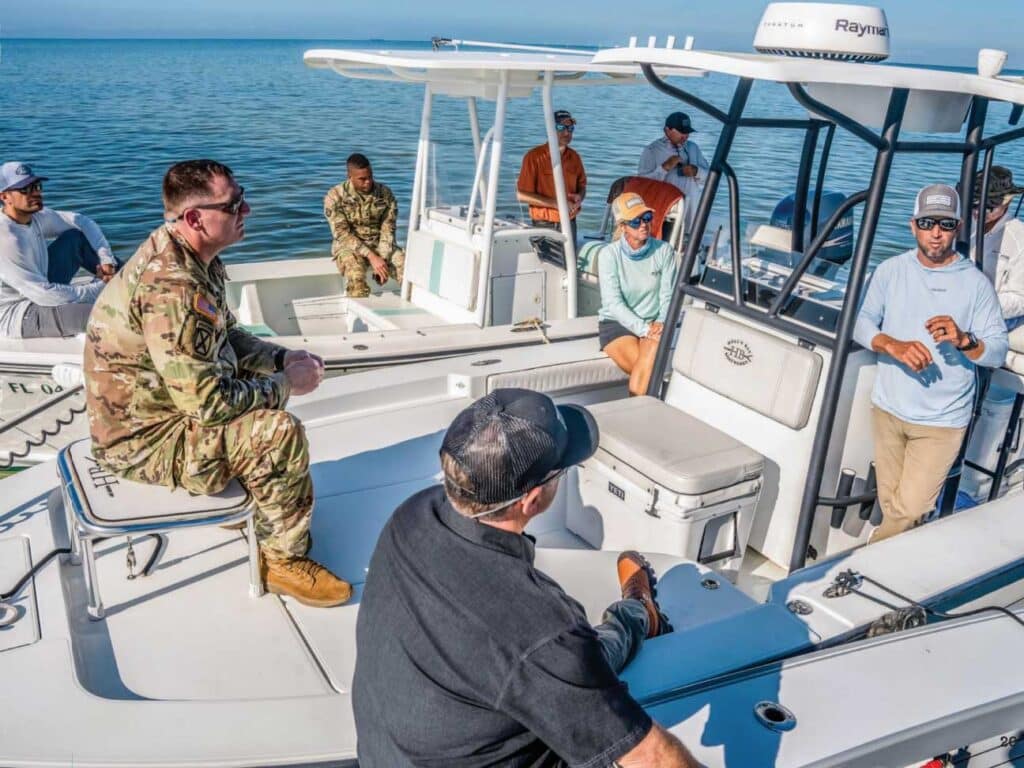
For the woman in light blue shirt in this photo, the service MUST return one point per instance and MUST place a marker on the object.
(637, 275)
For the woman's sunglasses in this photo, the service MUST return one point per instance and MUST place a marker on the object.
(644, 218)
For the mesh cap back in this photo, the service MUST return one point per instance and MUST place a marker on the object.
(509, 441)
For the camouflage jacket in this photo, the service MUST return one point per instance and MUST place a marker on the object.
(163, 352)
(362, 223)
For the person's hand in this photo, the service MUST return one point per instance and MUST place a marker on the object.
(294, 355)
(912, 354)
(689, 170)
(672, 162)
(654, 331)
(380, 268)
(944, 328)
(106, 271)
(304, 375)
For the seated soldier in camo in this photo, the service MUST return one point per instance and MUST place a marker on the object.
(362, 214)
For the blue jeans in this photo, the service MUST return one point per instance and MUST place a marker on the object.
(67, 254)
(1013, 323)
(622, 632)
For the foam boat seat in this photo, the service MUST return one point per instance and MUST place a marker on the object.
(99, 504)
(563, 378)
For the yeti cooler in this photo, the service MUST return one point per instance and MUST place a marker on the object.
(664, 481)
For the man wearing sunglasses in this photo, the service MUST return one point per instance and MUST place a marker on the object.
(362, 214)
(1003, 259)
(37, 296)
(179, 394)
(931, 316)
(467, 653)
(536, 183)
(676, 159)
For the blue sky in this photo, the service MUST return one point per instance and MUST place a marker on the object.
(926, 31)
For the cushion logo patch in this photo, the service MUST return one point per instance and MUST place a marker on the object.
(737, 352)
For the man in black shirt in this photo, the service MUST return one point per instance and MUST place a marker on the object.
(467, 655)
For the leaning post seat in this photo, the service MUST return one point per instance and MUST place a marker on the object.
(664, 480)
(99, 505)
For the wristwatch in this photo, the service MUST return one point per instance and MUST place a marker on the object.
(279, 359)
(972, 343)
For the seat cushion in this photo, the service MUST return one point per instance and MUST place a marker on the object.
(761, 371)
(675, 450)
(102, 499)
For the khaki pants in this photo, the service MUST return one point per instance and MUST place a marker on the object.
(911, 465)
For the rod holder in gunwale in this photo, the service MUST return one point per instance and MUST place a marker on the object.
(846, 478)
(870, 484)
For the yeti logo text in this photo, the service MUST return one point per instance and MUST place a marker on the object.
(845, 25)
(737, 352)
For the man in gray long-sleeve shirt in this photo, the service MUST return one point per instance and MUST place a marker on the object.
(37, 297)
(932, 317)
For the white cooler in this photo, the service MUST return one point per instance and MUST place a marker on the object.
(664, 481)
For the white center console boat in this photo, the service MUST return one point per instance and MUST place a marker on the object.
(744, 474)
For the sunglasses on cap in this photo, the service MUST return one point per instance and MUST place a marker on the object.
(643, 218)
(562, 127)
(927, 223)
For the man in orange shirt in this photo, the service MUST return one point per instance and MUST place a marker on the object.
(536, 185)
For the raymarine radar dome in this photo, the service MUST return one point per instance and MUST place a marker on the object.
(824, 31)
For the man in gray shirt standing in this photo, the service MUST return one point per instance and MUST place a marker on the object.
(37, 298)
(675, 159)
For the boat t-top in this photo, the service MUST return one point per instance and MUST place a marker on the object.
(744, 475)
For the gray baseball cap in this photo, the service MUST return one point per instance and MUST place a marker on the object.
(939, 200)
(15, 175)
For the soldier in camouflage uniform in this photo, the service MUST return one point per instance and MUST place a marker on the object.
(179, 395)
(362, 215)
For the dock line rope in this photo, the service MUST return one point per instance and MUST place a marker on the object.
(849, 581)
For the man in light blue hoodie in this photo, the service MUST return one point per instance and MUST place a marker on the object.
(931, 316)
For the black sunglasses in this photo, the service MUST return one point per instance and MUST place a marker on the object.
(231, 207)
(570, 127)
(927, 223)
(28, 189)
(644, 218)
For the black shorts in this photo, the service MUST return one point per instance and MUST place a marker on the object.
(609, 330)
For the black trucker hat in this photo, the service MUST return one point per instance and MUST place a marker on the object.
(510, 441)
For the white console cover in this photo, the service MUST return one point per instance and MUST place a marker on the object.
(443, 268)
(672, 448)
(772, 376)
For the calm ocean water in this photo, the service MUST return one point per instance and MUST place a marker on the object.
(103, 119)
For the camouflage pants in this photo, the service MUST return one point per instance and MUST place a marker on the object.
(267, 451)
(355, 268)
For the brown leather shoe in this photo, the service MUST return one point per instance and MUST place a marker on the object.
(305, 580)
(636, 577)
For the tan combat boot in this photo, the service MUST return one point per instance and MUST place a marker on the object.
(305, 580)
